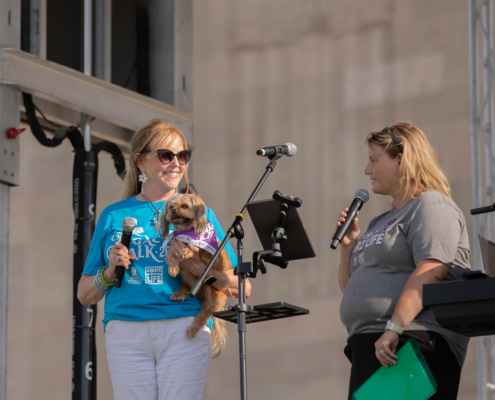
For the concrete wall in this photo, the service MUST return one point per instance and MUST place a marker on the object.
(318, 73)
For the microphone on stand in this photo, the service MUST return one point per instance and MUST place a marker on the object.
(360, 197)
(288, 149)
(128, 225)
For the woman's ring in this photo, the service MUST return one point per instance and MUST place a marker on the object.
(381, 351)
(116, 259)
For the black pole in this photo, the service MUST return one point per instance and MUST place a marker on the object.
(241, 323)
(84, 317)
(483, 210)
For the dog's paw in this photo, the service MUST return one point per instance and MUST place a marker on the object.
(186, 254)
(192, 331)
(173, 271)
(178, 296)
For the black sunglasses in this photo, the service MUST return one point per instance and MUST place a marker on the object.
(394, 139)
(166, 156)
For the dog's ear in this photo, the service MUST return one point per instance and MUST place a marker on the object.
(200, 214)
(164, 224)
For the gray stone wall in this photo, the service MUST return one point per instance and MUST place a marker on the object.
(320, 74)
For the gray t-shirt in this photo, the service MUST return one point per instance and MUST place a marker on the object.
(430, 226)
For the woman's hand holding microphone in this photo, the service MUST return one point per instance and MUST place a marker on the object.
(347, 245)
(351, 237)
(119, 256)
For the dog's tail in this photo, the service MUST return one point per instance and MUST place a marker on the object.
(219, 337)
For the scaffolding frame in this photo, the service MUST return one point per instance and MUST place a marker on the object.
(482, 126)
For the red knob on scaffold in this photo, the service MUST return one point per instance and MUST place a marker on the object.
(12, 133)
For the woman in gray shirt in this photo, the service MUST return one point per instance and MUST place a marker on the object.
(422, 239)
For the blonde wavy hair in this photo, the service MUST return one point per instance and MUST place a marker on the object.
(419, 170)
(149, 138)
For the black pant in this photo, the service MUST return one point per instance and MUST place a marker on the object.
(443, 364)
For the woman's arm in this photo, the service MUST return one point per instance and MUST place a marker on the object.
(87, 293)
(409, 305)
(346, 247)
(344, 268)
(410, 302)
(226, 282)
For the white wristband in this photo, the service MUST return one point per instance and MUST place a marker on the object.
(394, 328)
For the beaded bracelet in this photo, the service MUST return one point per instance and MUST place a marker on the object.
(98, 285)
(99, 282)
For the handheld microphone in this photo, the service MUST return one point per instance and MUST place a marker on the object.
(360, 197)
(128, 225)
(288, 149)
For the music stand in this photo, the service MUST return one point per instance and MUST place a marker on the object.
(284, 238)
(266, 216)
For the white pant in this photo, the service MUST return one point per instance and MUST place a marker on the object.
(155, 360)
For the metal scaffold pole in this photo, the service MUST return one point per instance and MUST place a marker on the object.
(10, 35)
(84, 371)
(482, 118)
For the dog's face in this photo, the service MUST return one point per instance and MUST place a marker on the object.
(184, 212)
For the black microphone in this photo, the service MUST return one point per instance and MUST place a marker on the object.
(360, 197)
(288, 149)
(128, 225)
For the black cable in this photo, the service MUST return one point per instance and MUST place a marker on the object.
(115, 152)
(128, 79)
(72, 132)
(75, 137)
(46, 119)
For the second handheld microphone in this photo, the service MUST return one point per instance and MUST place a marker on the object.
(360, 197)
(128, 225)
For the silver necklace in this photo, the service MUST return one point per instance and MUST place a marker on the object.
(157, 210)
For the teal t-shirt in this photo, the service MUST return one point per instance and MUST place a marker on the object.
(147, 286)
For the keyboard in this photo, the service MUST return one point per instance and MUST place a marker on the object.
(466, 307)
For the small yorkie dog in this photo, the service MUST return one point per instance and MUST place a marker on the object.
(187, 213)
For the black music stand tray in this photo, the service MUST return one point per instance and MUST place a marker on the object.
(284, 239)
(265, 312)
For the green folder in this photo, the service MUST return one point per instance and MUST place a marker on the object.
(409, 379)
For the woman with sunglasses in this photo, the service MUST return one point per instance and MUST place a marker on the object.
(148, 352)
(422, 239)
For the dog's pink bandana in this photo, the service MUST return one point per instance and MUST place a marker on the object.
(207, 240)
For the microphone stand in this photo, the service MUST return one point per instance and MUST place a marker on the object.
(231, 231)
(243, 270)
(483, 210)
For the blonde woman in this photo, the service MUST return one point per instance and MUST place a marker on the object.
(149, 355)
(422, 239)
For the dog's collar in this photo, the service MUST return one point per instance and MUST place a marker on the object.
(206, 240)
